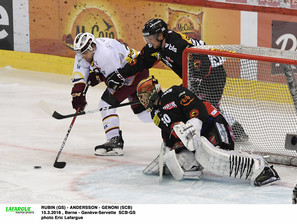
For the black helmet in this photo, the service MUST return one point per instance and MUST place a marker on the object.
(154, 26)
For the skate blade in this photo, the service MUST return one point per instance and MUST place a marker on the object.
(113, 152)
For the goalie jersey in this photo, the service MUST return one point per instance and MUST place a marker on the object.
(180, 104)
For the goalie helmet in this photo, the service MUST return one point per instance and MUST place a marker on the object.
(154, 26)
(83, 42)
(148, 91)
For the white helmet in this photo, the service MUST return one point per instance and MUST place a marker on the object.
(83, 42)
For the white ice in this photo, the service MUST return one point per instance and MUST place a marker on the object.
(29, 137)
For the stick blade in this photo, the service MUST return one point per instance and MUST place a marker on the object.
(57, 115)
(59, 165)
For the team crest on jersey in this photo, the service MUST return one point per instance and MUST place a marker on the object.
(170, 106)
(186, 100)
(194, 113)
(133, 61)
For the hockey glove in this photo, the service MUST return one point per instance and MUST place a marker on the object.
(95, 78)
(189, 133)
(115, 80)
(78, 98)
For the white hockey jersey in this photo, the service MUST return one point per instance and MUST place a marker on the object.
(109, 55)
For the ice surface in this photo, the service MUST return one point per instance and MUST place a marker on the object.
(29, 137)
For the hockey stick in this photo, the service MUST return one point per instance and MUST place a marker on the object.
(161, 162)
(59, 116)
(61, 165)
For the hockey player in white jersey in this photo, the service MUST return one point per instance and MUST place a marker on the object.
(94, 60)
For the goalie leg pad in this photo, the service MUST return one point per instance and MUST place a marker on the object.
(173, 165)
(230, 163)
(182, 165)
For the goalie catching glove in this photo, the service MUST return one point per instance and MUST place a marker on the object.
(189, 133)
(115, 80)
(78, 98)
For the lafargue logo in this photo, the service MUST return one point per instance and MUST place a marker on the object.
(284, 35)
(91, 20)
(24, 210)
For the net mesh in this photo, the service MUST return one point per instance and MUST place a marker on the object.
(253, 96)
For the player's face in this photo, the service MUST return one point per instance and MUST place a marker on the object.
(88, 55)
(153, 41)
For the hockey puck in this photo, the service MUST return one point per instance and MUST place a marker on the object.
(37, 167)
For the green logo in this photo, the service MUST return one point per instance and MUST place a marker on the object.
(19, 209)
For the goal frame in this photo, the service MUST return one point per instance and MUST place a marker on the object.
(230, 54)
(273, 158)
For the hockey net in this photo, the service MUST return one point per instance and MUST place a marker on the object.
(259, 94)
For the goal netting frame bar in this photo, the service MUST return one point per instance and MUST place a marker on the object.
(286, 59)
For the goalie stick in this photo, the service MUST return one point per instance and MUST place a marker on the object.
(161, 162)
(59, 116)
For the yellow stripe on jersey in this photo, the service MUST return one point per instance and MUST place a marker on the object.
(77, 77)
(185, 37)
(132, 55)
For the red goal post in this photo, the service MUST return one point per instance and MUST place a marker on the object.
(235, 51)
(260, 92)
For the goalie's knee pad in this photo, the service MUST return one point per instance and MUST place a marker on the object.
(182, 165)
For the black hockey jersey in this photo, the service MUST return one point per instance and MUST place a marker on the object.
(179, 104)
(171, 55)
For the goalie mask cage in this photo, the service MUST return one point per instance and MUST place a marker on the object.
(260, 93)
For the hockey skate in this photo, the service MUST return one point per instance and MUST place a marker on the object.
(239, 133)
(267, 176)
(113, 147)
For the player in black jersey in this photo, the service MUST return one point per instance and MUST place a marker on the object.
(196, 135)
(168, 46)
(178, 104)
